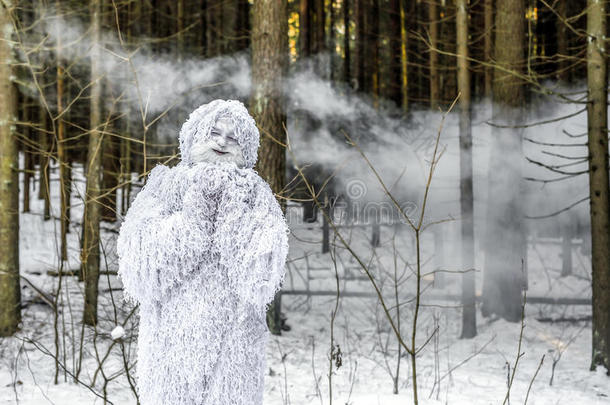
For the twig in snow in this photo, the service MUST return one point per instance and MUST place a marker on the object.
(532, 381)
(519, 354)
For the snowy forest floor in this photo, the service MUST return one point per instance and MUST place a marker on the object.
(449, 370)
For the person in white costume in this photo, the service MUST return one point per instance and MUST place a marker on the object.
(202, 250)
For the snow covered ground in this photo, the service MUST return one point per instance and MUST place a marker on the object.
(449, 370)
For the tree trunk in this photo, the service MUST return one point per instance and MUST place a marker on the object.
(562, 42)
(347, 73)
(202, 29)
(597, 117)
(110, 178)
(404, 57)
(43, 145)
(433, 61)
(125, 177)
(359, 45)
(318, 45)
(150, 21)
(371, 50)
(64, 192)
(213, 25)
(326, 229)
(229, 26)
(319, 26)
(28, 164)
(44, 191)
(412, 58)
(90, 255)
(375, 45)
(376, 233)
(395, 43)
(447, 79)
(243, 25)
(469, 320)
(332, 41)
(68, 190)
(180, 28)
(267, 105)
(504, 250)
(422, 87)
(10, 291)
(125, 159)
(304, 29)
(487, 46)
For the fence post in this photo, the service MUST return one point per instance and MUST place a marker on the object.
(376, 228)
(566, 251)
(325, 227)
(375, 238)
(325, 236)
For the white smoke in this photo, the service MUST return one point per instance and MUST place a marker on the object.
(321, 114)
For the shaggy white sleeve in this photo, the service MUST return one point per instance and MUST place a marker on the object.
(269, 247)
(159, 248)
(253, 241)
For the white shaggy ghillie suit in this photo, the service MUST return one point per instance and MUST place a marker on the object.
(202, 250)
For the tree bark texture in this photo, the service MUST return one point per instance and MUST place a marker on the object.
(10, 291)
(90, 255)
(597, 117)
(267, 105)
(469, 322)
(504, 250)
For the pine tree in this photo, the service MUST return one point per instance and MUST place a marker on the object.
(267, 105)
(90, 255)
(10, 292)
(504, 253)
(597, 117)
(469, 322)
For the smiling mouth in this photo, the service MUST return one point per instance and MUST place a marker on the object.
(218, 152)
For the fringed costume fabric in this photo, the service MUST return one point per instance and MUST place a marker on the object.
(202, 250)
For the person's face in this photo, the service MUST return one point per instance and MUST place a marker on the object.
(221, 146)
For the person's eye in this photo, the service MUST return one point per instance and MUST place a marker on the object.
(231, 139)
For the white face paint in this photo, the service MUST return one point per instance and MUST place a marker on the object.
(221, 146)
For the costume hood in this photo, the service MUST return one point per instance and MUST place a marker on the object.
(200, 122)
